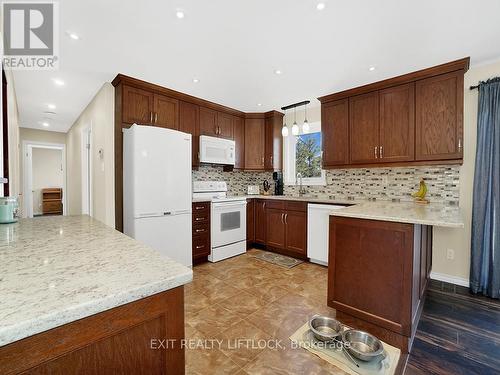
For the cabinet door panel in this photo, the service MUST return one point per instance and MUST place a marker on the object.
(439, 117)
(335, 133)
(296, 232)
(137, 106)
(188, 123)
(260, 221)
(364, 128)
(273, 143)
(239, 140)
(166, 112)
(208, 122)
(225, 124)
(254, 143)
(276, 231)
(397, 123)
(250, 220)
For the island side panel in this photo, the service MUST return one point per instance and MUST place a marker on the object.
(374, 276)
(118, 340)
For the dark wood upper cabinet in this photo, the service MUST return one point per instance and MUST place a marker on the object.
(439, 117)
(254, 143)
(273, 149)
(397, 123)
(335, 133)
(189, 123)
(239, 140)
(364, 128)
(208, 122)
(260, 221)
(166, 112)
(276, 228)
(225, 123)
(137, 106)
(296, 232)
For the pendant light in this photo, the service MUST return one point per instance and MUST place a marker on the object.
(305, 125)
(295, 127)
(284, 129)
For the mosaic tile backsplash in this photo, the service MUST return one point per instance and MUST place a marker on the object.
(373, 183)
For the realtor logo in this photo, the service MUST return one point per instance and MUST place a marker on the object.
(30, 35)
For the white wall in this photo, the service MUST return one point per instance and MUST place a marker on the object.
(457, 270)
(99, 115)
(47, 173)
(13, 123)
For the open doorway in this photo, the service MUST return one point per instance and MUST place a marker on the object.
(44, 179)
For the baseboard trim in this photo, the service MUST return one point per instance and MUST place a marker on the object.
(450, 279)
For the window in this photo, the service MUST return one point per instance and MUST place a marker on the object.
(302, 154)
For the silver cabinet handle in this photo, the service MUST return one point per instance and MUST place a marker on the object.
(200, 218)
(283, 218)
(218, 130)
(271, 158)
(151, 117)
(286, 221)
(200, 230)
(156, 117)
(380, 152)
(263, 160)
(459, 145)
(199, 207)
(264, 205)
(200, 246)
(375, 152)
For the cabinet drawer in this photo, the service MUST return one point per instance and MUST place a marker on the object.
(201, 217)
(200, 206)
(199, 229)
(296, 206)
(49, 207)
(201, 245)
(275, 204)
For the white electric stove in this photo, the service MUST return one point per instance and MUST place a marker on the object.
(228, 219)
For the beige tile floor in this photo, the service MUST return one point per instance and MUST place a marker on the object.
(244, 298)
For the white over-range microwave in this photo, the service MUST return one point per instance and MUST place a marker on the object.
(216, 150)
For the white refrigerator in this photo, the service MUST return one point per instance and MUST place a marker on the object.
(157, 190)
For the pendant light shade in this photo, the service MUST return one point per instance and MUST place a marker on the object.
(284, 129)
(305, 125)
(295, 127)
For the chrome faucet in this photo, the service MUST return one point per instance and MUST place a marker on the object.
(302, 191)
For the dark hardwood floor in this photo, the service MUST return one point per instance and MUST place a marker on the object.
(458, 333)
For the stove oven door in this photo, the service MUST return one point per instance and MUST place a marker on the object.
(229, 223)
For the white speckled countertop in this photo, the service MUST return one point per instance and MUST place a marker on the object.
(434, 214)
(55, 270)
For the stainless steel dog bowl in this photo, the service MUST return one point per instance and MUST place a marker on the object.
(362, 345)
(324, 328)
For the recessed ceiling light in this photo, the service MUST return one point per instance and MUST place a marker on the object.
(46, 124)
(371, 68)
(196, 80)
(179, 14)
(277, 71)
(320, 6)
(58, 82)
(259, 104)
(73, 35)
(51, 106)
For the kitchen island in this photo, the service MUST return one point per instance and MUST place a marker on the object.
(380, 259)
(78, 296)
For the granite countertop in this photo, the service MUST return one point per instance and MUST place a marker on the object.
(434, 214)
(55, 270)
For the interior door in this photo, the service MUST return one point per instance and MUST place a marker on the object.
(137, 106)
(364, 128)
(166, 112)
(275, 228)
(397, 123)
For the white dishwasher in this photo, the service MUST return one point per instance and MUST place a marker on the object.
(318, 217)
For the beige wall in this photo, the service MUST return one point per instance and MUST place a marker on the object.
(457, 270)
(99, 115)
(47, 173)
(35, 136)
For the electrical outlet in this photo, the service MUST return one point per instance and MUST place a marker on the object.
(450, 254)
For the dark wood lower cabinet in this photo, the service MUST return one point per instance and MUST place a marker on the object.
(260, 221)
(296, 232)
(201, 232)
(250, 222)
(122, 340)
(276, 228)
(377, 276)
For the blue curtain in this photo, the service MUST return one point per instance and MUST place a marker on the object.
(485, 242)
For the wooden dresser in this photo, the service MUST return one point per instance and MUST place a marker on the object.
(52, 201)
(201, 232)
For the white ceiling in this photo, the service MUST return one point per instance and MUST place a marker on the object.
(234, 47)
